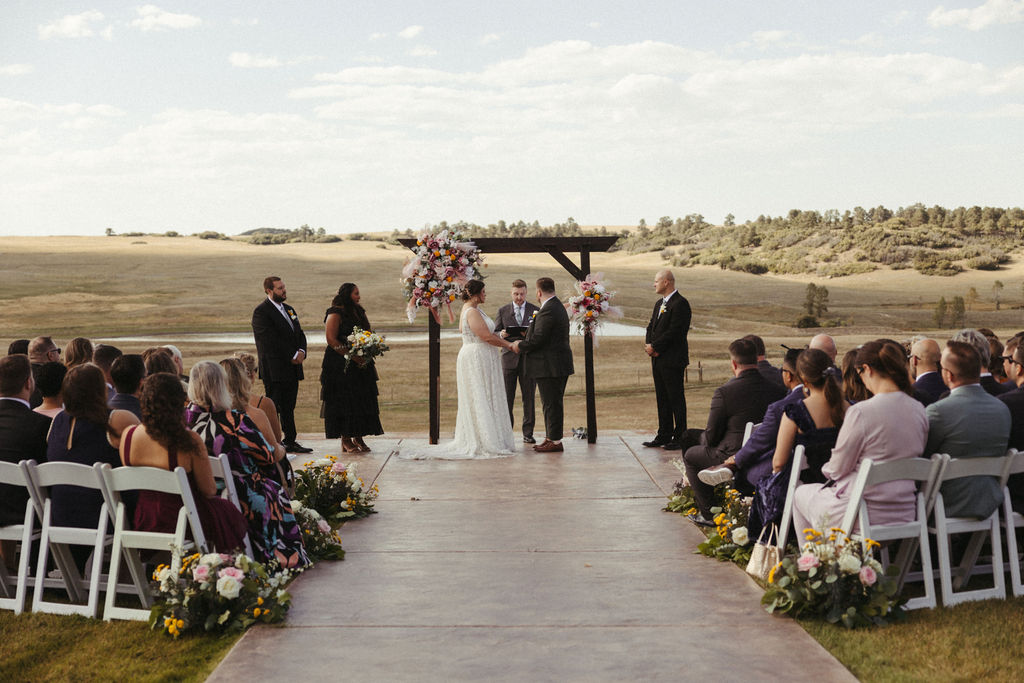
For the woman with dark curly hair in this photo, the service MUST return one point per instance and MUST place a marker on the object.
(163, 440)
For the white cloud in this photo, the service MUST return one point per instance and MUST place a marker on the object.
(377, 36)
(152, 18)
(245, 22)
(71, 26)
(993, 12)
(410, 32)
(594, 24)
(489, 38)
(422, 51)
(15, 69)
(873, 40)
(244, 60)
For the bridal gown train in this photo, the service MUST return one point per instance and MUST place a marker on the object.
(483, 428)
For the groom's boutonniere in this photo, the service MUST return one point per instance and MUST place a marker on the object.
(663, 308)
(533, 315)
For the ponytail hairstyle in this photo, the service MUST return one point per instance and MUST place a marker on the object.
(473, 288)
(887, 358)
(816, 370)
(854, 390)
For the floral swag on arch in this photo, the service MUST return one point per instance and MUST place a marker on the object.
(440, 268)
(591, 304)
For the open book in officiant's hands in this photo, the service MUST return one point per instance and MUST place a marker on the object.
(515, 333)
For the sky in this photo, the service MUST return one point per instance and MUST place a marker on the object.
(376, 115)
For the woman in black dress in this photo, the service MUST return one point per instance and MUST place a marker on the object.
(350, 396)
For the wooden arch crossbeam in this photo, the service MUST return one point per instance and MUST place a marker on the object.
(557, 248)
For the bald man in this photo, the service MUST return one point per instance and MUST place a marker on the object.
(826, 343)
(666, 344)
(924, 366)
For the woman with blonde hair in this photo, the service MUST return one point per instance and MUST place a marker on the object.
(240, 388)
(261, 401)
(78, 351)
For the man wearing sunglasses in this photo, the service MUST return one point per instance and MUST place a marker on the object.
(41, 350)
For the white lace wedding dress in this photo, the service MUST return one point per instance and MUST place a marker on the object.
(483, 428)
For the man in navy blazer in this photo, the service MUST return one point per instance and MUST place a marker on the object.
(22, 431)
(666, 344)
(924, 365)
(518, 313)
(281, 346)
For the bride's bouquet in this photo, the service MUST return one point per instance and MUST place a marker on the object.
(592, 304)
(442, 265)
(365, 345)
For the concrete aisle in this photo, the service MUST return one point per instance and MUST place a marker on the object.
(557, 567)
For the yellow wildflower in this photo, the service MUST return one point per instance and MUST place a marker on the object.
(771, 574)
(256, 612)
(180, 624)
(259, 601)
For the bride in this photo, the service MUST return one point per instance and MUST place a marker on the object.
(483, 428)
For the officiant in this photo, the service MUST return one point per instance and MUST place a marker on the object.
(511, 323)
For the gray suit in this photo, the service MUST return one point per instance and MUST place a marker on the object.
(969, 423)
(514, 368)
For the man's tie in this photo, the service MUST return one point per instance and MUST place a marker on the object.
(519, 316)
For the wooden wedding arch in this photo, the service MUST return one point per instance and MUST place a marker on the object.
(557, 248)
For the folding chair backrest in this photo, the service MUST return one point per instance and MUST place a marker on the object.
(872, 472)
(13, 589)
(121, 479)
(221, 468)
(787, 509)
(995, 466)
(1017, 464)
(749, 430)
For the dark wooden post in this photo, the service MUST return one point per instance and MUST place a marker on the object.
(434, 362)
(588, 362)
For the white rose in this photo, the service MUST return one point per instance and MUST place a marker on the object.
(296, 505)
(211, 560)
(739, 535)
(229, 587)
(322, 462)
(849, 564)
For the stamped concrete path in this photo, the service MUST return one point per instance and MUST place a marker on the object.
(538, 567)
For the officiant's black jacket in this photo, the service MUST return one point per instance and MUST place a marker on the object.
(547, 342)
(667, 332)
(277, 343)
(507, 318)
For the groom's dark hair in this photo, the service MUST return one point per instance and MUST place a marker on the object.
(546, 285)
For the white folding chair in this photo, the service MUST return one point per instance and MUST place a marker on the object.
(749, 430)
(59, 538)
(913, 535)
(798, 465)
(13, 589)
(943, 527)
(128, 542)
(1013, 520)
(221, 468)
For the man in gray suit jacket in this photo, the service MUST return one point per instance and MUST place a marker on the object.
(969, 423)
(511, 316)
(548, 359)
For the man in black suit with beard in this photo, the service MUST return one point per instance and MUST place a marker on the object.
(281, 346)
(667, 346)
(548, 360)
(22, 431)
(517, 314)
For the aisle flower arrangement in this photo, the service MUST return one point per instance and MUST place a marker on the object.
(438, 271)
(334, 490)
(729, 541)
(364, 345)
(320, 539)
(591, 304)
(218, 593)
(835, 577)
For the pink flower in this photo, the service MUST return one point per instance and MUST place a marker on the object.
(807, 561)
(338, 468)
(868, 575)
(233, 572)
(201, 573)
(324, 526)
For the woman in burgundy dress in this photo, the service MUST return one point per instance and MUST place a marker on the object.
(164, 441)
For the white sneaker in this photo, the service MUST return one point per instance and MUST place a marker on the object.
(713, 476)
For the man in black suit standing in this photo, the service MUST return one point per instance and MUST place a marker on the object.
(22, 431)
(517, 314)
(667, 346)
(745, 398)
(548, 360)
(281, 346)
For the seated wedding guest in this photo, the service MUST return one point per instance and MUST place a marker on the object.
(103, 357)
(128, 371)
(745, 398)
(1014, 401)
(980, 344)
(18, 346)
(239, 388)
(969, 423)
(163, 440)
(1006, 359)
(753, 460)
(86, 432)
(996, 350)
(854, 390)
(767, 370)
(888, 426)
(825, 343)
(179, 361)
(924, 369)
(78, 350)
(49, 378)
(273, 531)
(41, 350)
(159, 359)
(257, 400)
(22, 432)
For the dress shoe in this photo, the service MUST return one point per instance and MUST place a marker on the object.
(672, 446)
(549, 447)
(296, 447)
(713, 476)
(529, 439)
(654, 443)
(700, 520)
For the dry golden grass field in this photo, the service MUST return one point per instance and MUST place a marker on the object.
(111, 287)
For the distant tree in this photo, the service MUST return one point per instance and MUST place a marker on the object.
(812, 293)
(957, 316)
(939, 316)
(110, 232)
(971, 298)
(730, 220)
(816, 300)
(997, 291)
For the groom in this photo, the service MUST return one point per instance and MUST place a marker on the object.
(548, 359)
